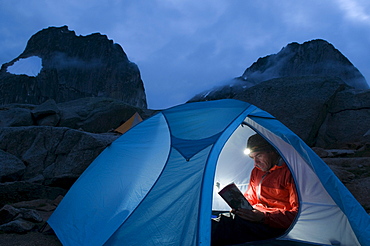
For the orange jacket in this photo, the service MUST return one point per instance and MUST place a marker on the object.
(274, 194)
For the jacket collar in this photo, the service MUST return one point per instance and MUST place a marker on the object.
(279, 165)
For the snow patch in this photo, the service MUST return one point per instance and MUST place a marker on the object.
(30, 66)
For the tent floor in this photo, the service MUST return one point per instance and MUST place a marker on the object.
(276, 243)
(272, 242)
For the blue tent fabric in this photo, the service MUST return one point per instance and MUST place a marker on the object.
(188, 148)
(157, 183)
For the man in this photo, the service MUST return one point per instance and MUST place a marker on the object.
(272, 194)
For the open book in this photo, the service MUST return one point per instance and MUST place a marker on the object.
(234, 197)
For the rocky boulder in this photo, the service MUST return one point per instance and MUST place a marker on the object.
(23, 191)
(11, 167)
(97, 115)
(93, 114)
(73, 67)
(45, 148)
(347, 120)
(15, 115)
(325, 113)
(54, 156)
(355, 175)
(302, 112)
(26, 216)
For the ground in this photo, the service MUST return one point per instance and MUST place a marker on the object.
(29, 239)
(33, 238)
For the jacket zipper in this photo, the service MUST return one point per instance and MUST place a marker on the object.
(259, 187)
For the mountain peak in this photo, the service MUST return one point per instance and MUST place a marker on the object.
(61, 40)
(315, 57)
(72, 67)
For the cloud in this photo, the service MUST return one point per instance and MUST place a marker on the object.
(61, 60)
(355, 10)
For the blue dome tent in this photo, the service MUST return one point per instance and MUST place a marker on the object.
(157, 184)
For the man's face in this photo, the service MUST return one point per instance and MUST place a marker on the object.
(263, 160)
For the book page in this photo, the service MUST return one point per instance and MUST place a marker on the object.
(234, 197)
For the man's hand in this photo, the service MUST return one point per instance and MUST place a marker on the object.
(251, 215)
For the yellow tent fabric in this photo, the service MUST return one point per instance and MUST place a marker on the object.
(134, 120)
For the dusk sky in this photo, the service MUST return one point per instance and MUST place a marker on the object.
(185, 47)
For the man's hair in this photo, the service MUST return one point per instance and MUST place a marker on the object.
(257, 143)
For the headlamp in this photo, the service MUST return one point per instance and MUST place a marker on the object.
(247, 151)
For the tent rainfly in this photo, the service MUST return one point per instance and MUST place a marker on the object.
(157, 184)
